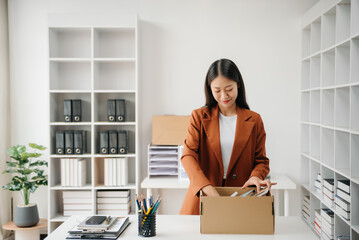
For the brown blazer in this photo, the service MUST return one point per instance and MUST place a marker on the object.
(202, 157)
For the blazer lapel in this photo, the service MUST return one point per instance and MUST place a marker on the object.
(243, 131)
(211, 127)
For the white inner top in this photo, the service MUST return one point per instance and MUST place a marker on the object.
(227, 130)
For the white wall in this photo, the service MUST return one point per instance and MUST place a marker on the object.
(179, 40)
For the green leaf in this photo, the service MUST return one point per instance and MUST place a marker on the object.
(21, 149)
(35, 155)
(36, 146)
(11, 164)
(39, 172)
(38, 163)
(25, 171)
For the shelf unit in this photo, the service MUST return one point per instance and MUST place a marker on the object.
(92, 59)
(330, 106)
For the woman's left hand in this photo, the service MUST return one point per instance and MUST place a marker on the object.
(258, 182)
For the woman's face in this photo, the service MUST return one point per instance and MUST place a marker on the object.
(225, 92)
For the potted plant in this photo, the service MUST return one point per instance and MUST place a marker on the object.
(28, 177)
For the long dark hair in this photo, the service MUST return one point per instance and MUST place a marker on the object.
(228, 69)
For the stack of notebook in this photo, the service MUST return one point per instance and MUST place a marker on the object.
(111, 228)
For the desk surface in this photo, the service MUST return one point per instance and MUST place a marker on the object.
(283, 182)
(292, 228)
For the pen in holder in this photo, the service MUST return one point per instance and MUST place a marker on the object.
(147, 225)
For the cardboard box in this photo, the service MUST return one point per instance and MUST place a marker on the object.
(231, 215)
(169, 129)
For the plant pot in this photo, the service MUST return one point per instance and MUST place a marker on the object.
(26, 215)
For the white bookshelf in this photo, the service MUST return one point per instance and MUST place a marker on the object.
(92, 59)
(330, 106)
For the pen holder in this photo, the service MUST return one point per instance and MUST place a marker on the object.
(147, 225)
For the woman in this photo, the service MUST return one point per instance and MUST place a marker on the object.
(225, 144)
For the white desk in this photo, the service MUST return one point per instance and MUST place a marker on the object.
(188, 227)
(284, 183)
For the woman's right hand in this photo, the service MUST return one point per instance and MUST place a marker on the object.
(210, 191)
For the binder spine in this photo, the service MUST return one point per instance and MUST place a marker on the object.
(67, 110)
(122, 142)
(111, 110)
(77, 110)
(104, 142)
(60, 142)
(69, 142)
(120, 110)
(112, 135)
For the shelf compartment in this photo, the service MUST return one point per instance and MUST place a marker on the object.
(55, 128)
(305, 106)
(114, 43)
(315, 36)
(328, 67)
(354, 205)
(342, 152)
(355, 108)
(306, 74)
(99, 173)
(315, 142)
(55, 180)
(329, 28)
(342, 107)
(114, 75)
(70, 75)
(57, 106)
(305, 139)
(342, 64)
(306, 42)
(314, 170)
(341, 227)
(327, 147)
(354, 141)
(328, 107)
(304, 170)
(354, 18)
(70, 42)
(354, 61)
(315, 106)
(131, 137)
(342, 21)
(315, 71)
(100, 106)
(314, 204)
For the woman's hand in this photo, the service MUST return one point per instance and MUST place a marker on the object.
(209, 190)
(258, 182)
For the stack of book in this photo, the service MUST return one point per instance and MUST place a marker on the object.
(73, 172)
(342, 199)
(328, 191)
(111, 228)
(318, 183)
(327, 224)
(116, 171)
(306, 208)
(77, 202)
(113, 202)
(318, 221)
